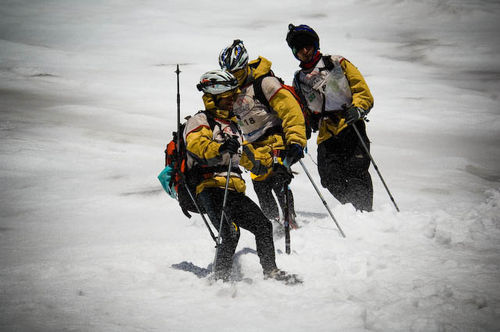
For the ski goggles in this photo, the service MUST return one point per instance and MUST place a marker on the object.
(215, 85)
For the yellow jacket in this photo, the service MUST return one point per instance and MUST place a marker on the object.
(203, 143)
(285, 114)
(282, 102)
(332, 90)
(361, 97)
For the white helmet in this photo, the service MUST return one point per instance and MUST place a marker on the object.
(217, 81)
(234, 57)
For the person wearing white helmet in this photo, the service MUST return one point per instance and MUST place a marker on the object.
(338, 98)
(272, 122)
(213, 138)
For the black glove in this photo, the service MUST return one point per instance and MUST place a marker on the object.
(293, 154)
(353, 114)
(231, 146)
(281, 175)
(259, 169)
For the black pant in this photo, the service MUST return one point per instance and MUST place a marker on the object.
(242, 212)
(343, 168)
(264, 190)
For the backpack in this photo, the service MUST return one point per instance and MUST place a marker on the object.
(176, 175)
(259, 94)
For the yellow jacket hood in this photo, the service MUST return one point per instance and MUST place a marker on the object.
(259, 67)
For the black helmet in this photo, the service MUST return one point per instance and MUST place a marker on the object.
(300, 36)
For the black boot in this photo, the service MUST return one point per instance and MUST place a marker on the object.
(280, 275)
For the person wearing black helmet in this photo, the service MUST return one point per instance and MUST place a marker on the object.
(213, 139)
(338, 98)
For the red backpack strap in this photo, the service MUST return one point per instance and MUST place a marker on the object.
(170, 153)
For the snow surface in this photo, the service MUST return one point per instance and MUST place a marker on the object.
(88, 237)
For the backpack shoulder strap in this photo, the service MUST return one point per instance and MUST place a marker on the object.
(298, 88)
(327, 60)
(257, 88)
(212, 123)
(210, 118)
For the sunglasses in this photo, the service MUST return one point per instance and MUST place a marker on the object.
(227, 94)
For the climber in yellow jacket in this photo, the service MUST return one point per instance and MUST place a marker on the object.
(337, 97)
(271, 121)
(213, 139)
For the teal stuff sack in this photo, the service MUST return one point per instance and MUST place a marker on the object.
(165, 179)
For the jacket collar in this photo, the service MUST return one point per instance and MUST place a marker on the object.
(315, 59)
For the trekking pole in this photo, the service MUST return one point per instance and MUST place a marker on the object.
(315, 163)
(178, 108)
(321, 196)
(223, 213)
(183, 179)
(286, 216)
(375, 166)
(178, 141)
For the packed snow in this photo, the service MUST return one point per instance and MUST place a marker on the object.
(88, 237)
